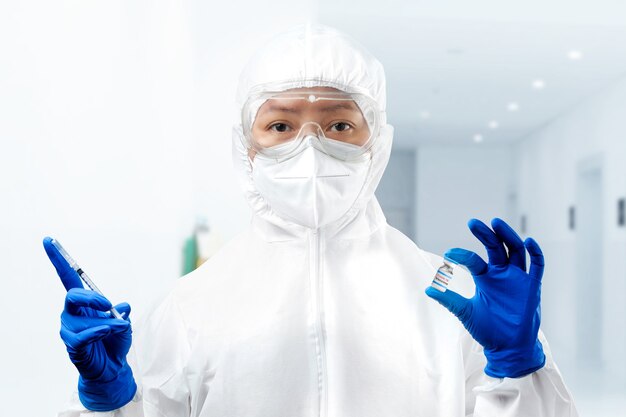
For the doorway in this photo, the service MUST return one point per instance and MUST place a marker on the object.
(588, 223)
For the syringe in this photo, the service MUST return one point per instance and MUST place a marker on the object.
(82, 274)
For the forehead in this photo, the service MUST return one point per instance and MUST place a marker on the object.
(292, 102)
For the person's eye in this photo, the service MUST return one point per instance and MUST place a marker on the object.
(340, 127)
(280, 127)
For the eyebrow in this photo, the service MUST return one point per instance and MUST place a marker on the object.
(284, 109)
(339, 106)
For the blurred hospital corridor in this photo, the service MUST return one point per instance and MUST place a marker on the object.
(115, 136)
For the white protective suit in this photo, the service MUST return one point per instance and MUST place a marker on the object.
(286, 321)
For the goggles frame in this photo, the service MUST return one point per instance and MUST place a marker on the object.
(336, 148)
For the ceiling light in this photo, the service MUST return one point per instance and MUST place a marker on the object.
(493, 124)
(478, 138)
(512, 106)
(538, 84)
(425, 115)
(574, 55)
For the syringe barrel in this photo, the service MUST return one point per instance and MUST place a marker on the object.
(64, 254)
(83, 276)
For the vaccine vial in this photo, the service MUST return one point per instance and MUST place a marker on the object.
(444, 275)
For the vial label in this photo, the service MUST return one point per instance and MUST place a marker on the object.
(444, 275)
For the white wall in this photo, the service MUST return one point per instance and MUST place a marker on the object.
(456, 183)
(549, 161)
(114, 134)
(396, 191)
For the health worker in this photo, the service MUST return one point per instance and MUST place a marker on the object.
(319, 309)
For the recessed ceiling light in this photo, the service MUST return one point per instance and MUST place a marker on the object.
(539, 84)
(512, 106)
(425, 114)
(478, 138)
(493, 124)
(574, 55)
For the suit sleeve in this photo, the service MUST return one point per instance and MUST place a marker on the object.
(540, 394)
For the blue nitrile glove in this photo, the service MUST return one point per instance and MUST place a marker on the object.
(97, 343)
(504, 313)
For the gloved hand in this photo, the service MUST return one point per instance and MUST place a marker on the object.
(97, 343)
(504, 313)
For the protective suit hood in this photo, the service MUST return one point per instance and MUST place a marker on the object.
(314, 56)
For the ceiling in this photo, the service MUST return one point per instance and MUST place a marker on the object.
(454, 66)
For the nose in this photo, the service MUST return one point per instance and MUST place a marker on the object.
(312, 129)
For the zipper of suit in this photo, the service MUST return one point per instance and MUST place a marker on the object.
(318, 314)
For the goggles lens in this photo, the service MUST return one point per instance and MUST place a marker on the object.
(276, 123)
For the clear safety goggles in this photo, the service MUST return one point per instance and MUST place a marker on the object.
(280, 124)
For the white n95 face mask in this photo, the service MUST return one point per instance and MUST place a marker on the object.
(312, 188)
